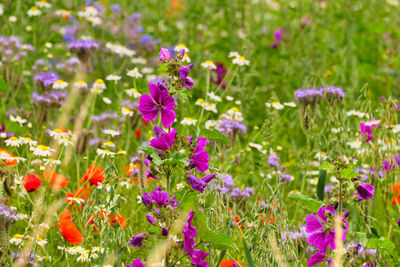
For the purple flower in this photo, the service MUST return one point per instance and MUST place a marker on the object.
(316, 258)
(136, 263)
(146, 199)
(164, 231)
(397, 159)
(197, 256)
(183, 76)
(150, 219)
(220, 74)
(366, 129)
(200, 184)
(189, 232)
(159, 197)
(164, 54)
(365, 191)
(159, 101)
(165, 141)
(200, 157)
(137, 240)
(46, 79)
(286, 178)
(322, 230)
(388, 165)
(273, 160)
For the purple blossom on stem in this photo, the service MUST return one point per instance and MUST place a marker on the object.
(200, 184)
(316, 258)
(366, 130)
(137, 240)
(165, 141)
(365, 191)
(136, 263)
(200, 157)
(158, 102)
(164, 54)
(273, 160)
(185, 80)
(159, 197)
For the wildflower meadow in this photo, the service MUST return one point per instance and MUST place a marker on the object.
(220, 133)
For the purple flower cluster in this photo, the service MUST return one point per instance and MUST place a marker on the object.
(366, 129)
(313, 95)
(7, 213)
(12, 49)
(296, 235)
(229, 188)
(52, 97)
(231, 127)
(46, 79)
(82, 46)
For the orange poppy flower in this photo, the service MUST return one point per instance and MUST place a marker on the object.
(229, 263)
(9, 162)
(396, 189)
(68, 229)
(56, 181)
(95, 175)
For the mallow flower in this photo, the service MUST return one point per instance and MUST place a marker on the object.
(158, 101)
(200, 184)
(200, 157)
(365, 191)
(165, 140)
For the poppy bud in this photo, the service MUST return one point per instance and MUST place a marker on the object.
(32, 182)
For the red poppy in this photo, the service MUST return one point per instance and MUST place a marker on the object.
(68, 229)
(94, 174)
(32, 182)
(11, 161)
(56, 181)
(238, 222)
(138, 134)
(80, 193)
(229, 263)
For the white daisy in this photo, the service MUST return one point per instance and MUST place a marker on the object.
(105, 152)
(233, 54)
(126, 112)
(214, 97)
(13, 142)
(16, 239)
(211, 124)
(114, 78)
(208, 64)
(138, 60)
(275, 105)
(186, 58)
(289, 104)
(178, 48)
(51, 162)
(42, 151)
(83, 258)
(18, 119)
(59, 85)
(81, 84)
(188, 121)
(241, 61)
(133, 93)
(134, 73)
(111, 132)
(43, 4)
(58, 133)
(210, 107)
(65, 142)
(34, 12)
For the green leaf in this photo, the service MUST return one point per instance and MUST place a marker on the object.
(201, 225)
(309, 203)
(327, 166)
(248, 255)
(177, 158)
(219, 240)
(154, 156)
(383, 243)
(362, 237)
(348, 173)
(321, 185)
(215, 135)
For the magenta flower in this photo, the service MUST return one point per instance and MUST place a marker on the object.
(200, 157)
(200, 184)
(165, 141)
(365, 191)
(388, 165)
(322, 228)
(136, 263)
(159, 197)
(159, 101)
(184, 79)
(366, 130)
(164, 54)
(189, 233)
(316, 258)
